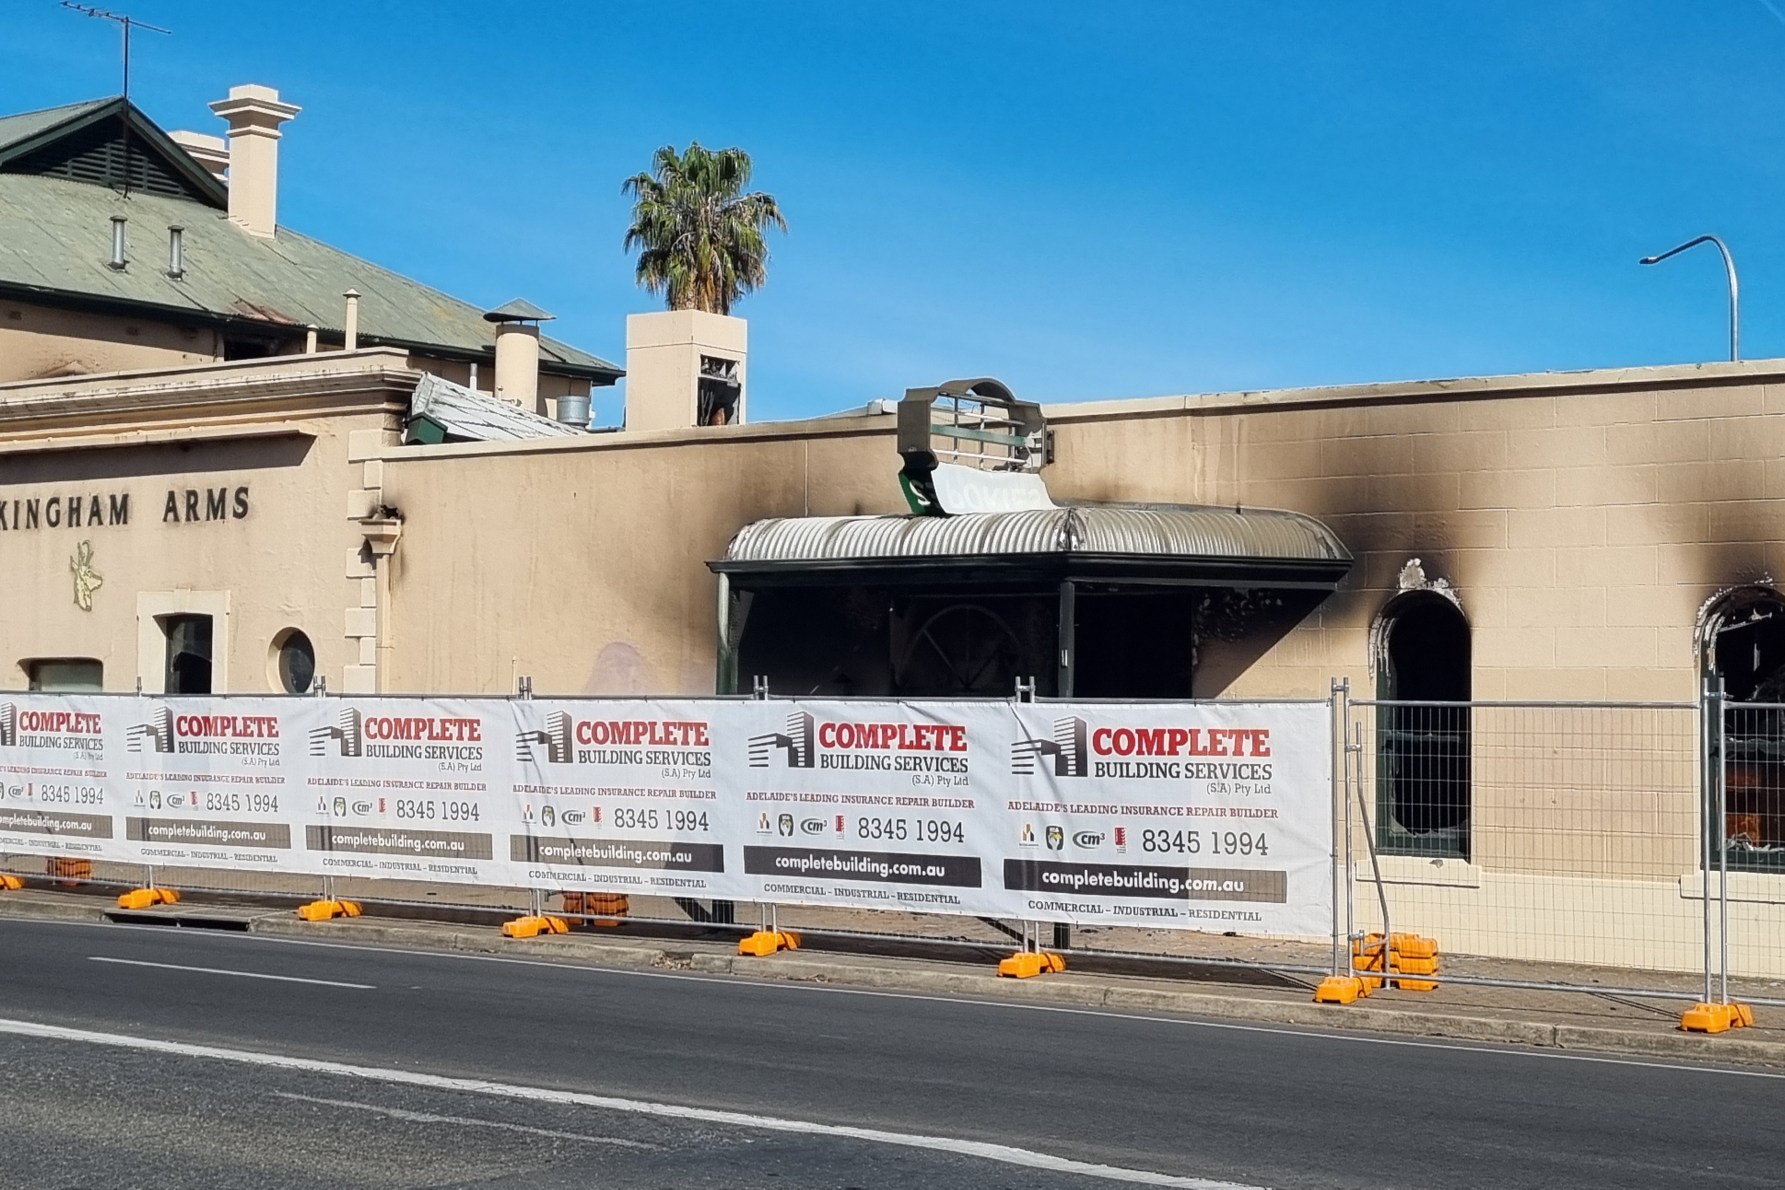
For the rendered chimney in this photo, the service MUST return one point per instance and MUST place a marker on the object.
(209, 151)
(685, 368)
(254, 114)
(517, 352)
(350, 323)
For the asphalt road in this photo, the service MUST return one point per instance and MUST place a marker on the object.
(378, 1075)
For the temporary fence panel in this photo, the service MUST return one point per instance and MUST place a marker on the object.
(1548, 832)
(1173, 815)
(1745, 845)
(1207, 816)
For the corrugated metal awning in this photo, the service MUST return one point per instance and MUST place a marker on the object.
(1148, 543)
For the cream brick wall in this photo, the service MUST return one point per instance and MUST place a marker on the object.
(1582, 529)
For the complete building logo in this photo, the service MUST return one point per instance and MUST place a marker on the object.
(657, 743)
(158, 732)
(798, 744)
(48, 729)
(1067, 748)
(555, 736)
(349, 729)
(402, 737)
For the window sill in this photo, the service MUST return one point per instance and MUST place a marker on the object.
(1754, 888)
(1448, 872)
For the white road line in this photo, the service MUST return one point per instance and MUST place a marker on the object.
(422, 1117)
(327, 983)
(1506, 1050)
(1005, 1154)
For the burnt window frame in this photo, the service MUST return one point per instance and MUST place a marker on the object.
(1753, 735)
(1428, 738)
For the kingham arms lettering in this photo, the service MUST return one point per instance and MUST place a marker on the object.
(84, 510)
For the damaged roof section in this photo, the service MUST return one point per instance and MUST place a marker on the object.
(441, 411)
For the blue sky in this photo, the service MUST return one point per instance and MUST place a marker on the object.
(1083, 199)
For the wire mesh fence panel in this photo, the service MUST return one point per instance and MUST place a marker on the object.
(1521, 833)
(1748, 853)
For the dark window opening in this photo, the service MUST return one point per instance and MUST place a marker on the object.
(971, 647)
(188, 654)
(1135, 645)
(239, 349)
(1423, 749)
(719, 389)
(295, 661)
(1746, 649)
(62, 675)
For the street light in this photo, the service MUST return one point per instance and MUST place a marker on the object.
(1735, 292)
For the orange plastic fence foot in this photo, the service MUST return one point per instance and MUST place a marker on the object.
(1416, 985)
(532, 926)
(69, 873)
(143, 898)
(10, 883)
(1413, 946)
(766, 942)
(598, 909)
(1026, 964)
(1403, 955)
(325, 910)
(1340, 989)
(1716, 1018)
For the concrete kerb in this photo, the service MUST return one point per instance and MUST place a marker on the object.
(930, 977)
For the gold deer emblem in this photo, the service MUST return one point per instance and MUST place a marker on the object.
(86, 580)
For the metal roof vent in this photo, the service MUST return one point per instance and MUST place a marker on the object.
(119, 258)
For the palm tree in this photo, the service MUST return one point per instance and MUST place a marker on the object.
(700, 237)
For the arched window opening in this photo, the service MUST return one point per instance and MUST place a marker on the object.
(1742, 640)
(1422, 737)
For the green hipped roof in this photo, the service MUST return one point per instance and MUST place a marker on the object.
(55, 240)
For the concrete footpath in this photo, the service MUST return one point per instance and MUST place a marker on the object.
(1603, 1022)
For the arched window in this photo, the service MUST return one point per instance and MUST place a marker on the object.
(1741, 639)
(1422, 744)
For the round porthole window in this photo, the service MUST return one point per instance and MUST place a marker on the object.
(294, 662)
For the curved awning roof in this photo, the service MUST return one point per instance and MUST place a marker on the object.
(1205, 545)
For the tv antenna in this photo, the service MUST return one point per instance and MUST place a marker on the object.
(126, 23)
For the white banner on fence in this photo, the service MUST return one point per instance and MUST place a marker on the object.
(621, 797)
(1201, 816)
(410, 789)
(1184, 816)
(59, 759)
(877, 805)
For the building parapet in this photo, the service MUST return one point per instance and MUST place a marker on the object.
(1526, 384)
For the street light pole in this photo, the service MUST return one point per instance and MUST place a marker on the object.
(1735, 291)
